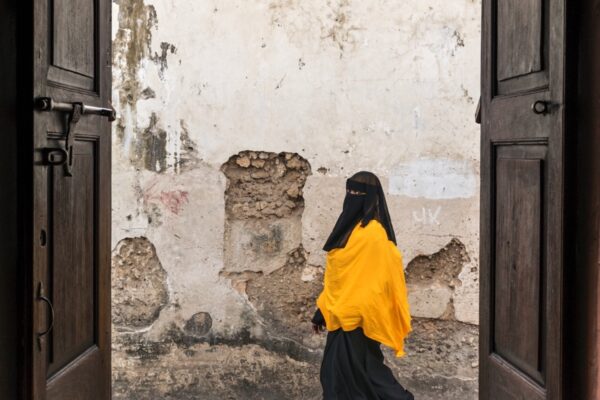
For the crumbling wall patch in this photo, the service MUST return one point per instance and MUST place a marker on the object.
(443, 266)
(264, 184)
(139, 289)
(432, 280)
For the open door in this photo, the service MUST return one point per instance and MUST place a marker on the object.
(69, 283)
(523, 189)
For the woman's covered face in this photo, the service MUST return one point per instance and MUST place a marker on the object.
(355, 192)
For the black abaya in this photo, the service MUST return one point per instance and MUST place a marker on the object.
(353, 368)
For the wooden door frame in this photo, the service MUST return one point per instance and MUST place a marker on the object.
(583, 319)
(16, 198)
(8, 203)
(582, 203)
(583, 348)
(16, 108)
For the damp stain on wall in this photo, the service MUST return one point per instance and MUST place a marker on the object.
(155, 146)
(131, 45)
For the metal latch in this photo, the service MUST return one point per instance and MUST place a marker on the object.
(73, 112)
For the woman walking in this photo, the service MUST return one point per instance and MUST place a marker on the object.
(364, 302)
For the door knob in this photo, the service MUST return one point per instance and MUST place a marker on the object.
(541, 107)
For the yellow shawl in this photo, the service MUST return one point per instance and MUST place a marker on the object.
(364, 287)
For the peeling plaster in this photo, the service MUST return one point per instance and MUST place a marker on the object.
(139, 289)
(432, 280)
(348, 86)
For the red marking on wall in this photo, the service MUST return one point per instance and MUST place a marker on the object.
(174, 200)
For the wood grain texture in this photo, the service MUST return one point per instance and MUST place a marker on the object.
(518, 265)
(73, 66)
(520, 45)
(519, 27)
(509, 125)
(73, 36)
(72, 266)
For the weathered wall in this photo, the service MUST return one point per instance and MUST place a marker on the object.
(238, 124)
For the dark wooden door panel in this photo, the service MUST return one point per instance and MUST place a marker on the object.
(73, 268)
(522, 200)
(509, 384)
(519, 37)
(74, 54)
(520, 45)
(79, 381)
(518, 267)
(72, 39)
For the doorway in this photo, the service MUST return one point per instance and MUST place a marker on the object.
(226, 175)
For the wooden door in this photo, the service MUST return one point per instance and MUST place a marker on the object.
(524, 144)
(70, 280)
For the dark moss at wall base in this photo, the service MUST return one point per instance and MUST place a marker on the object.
(441, 364)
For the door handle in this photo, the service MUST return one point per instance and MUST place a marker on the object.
(42, 297)
(73, 112)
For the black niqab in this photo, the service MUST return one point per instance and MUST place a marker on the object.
(360, 208)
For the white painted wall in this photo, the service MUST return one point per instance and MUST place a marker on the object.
(386, 86)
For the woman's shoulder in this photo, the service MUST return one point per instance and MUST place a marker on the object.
(375, 229)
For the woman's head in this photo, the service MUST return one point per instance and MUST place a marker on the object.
(365, 183)
(364, 202)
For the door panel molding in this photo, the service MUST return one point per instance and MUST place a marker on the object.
(72, 46)
(522, 220)
(520, 46)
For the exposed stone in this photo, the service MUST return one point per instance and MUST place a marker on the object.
(263, 258)
(243, 162)
(440, 362)
(263, 185)
(432, 280)
(284, 299)
(139, 289)
(443, 266)
(429, 301)
(329, 112)
(260, 245)
(263, 205)
(239, 280)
